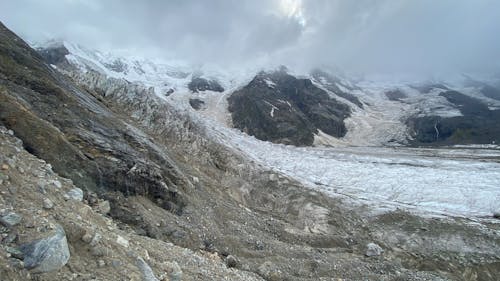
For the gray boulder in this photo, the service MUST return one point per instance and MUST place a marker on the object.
(75, 194)
(373, 249)
(47, 254)
(147, 272)
(11, 219)
(47, 204)
(232, 261)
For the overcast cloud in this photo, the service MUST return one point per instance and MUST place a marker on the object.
(373, 36)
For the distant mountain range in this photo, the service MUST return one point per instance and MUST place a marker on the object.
(316, 108)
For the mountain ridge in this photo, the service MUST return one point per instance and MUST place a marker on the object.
(408, 124)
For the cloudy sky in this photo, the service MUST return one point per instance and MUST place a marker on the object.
(364, 36)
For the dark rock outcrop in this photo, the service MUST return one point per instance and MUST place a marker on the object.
(280, 108)
(491, 92)
(395, 95)
(55, 54)
(478, 124)
(196, 103)
(199, 84)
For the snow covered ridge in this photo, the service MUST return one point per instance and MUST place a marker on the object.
(165, 76)
(381, 111)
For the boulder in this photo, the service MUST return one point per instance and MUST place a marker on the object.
(232, 261)
(11, 219)
(199, 84)
(196, 103)
(496, 215)
(74, 194)
(47, 204)
(47, 254)
(373, 250)
(147, 272)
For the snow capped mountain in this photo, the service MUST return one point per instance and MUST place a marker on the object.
(381, 112)
(374, 113)
(164, 76)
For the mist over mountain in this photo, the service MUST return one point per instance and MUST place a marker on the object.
(364, 37)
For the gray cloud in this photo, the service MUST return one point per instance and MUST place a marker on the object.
(373, 36)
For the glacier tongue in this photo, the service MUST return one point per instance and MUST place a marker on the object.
(453, 181)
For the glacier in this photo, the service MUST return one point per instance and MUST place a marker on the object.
(458, 181)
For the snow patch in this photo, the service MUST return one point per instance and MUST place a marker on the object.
(270, 83)
(273, 108)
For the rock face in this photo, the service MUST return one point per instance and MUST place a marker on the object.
(280, 108)
(395, 95)
(199, 84)
(196, 103)
(55, 54)
(48, 254)
(478, 124)
(491, 92)
(101, 151)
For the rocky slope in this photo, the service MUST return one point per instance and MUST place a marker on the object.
(90, 244)
(178, 193)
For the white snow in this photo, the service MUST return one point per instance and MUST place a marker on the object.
(273, 108)
(342, 88)
(285, 102)
(270, 83)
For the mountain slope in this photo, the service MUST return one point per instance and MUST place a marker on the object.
(53, 116)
